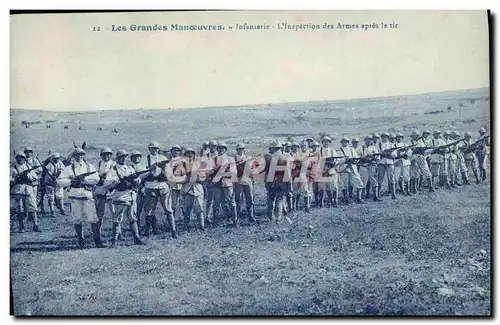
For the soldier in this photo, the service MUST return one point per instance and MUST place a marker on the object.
(402, 165)
(243, 188)
(102, 196)
(175, 186)
(275, 180)
(368, 170)
(81, 177)
(451, 159)
(303, 177)
(138, 192)
(209, 187)
(224, 189)
(33, 161)
(386, 164)
(295, 149)
(392, 137)
(192, 190)
(204, 149)
(289, 206)
(375, 139)
(212, 149)
(119, 181)
(349, 174)
(313, 152)
(328, 188)
(54, 192)
(22, 178)
(439, 161)
(310, 141)
(461, 168)
(355, 146)
(156, 190)
(419, 167)
(482, 151)
(469, 156)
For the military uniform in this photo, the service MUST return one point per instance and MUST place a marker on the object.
(402, 172)
(439, 162)
(193, 191)
(208, 186)
(223, 186)
(276, 182)
(23, 193)
(178, 168)
(482, 152)
(123, 197)
(81, 198)
(156, 190)
(419, 167)
(328, 182)
(102, 195)
(34, 162)
(470, 159)
(303, 175)
(53, 191)
(349, 174)
(386, 167)
(243, 187)
(368, 171)
(138, 192)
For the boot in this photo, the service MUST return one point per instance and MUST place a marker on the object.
(135, 232)
(429, 183)
(359, 193)
(186, 223)
(234, 217)
(34, 219)
(20, 220)
(420, 182)
(96, 234)
(407, 188)
(351, 190)
(296, 202)
(51, 209)
(154, 224)
(446, 182)
(171, 222)
(114, 236)
(60, 206)
(79, 235)
(465, 179)
(251, 214)
(483, 174)
(201, 219)
(477, 177)
(401, 186)
(147, 226)
(452, 181)
(329, 195)
(392, 189)
(376, 192)
(321, 197)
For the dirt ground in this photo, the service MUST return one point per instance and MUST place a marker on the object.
(422, 255)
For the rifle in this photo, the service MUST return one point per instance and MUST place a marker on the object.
(78, 179)
(405, 150)
(21, 178)
(473, 146)
(126, 182)
(445, 146)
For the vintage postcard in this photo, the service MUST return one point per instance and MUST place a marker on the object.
(276, 163)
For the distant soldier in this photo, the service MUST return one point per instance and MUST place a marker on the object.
(209, 187)
(135, 158)
(102, 195)
(482, 152)
(355, 146)
(295, 148)
(386, 164)
(177, 165)
(192, 190)
(456, 163)
(402, 165)
(349, 174)
(81, 177)
(53, 191)
(23, 192)
(450, 158)
(314, 153)
(419, 167)
(368, 170)
(222, 177)
(303, 177)
(309, 141)
(275, 180)
(439, 161)
(392, 137)
(469, 156)
(156, 190)
(123, 196)
(243, 188)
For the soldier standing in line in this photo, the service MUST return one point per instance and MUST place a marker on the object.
(386, 164)
(349, 174)
(482, 151)
(123, 196)
(439, 161)
(419, 167)
(303, 177)
(289, 206)
(192, 190)
(82, 177)
(138, 192)
(54, 192)
(33, 161)
(403, 172)
(469, 156)
(209, 187)
(314, 153)
(275, 180)
(102, 196)
(451, 159)
(23, 192)
(243, 187)
(461, 168)
(176, 163)
(156, 190)
(310, 141)
(455, 157)
(295, 149)
(223, 183)
(328, 188)
(204, 149)
(427, 140)
(368, 170)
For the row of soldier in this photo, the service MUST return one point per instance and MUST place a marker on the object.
(132, 189)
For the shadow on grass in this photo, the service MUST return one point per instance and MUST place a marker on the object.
(46, 246)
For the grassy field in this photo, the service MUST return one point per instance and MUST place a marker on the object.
(422, 255)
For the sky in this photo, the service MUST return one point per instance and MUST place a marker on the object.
(59, 63)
